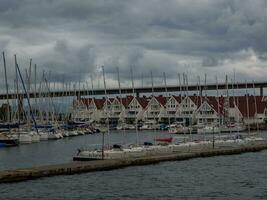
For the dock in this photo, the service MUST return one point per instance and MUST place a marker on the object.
(74, 167)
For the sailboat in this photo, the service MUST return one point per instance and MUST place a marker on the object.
(7, 141)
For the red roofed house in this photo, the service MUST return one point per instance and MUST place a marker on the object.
(134, 108)
(95, 109)
(155, 106)
(253, 109)
(187, 109)
(208, 112)
(113, 108)
(170, 110)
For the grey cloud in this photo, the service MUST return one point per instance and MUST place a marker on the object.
(74, 63)
(73, 37)
(210, 62)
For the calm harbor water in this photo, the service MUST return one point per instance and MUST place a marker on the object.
(241, 176)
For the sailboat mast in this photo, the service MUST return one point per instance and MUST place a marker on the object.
(200, 89)
(106, 96)
(167, 97)
(35, 88)
(7, 94)
(119, 84)
(92, 84)
(255, 104)
(132, 80)
(29, 76)
(247, 108)
(184, 87)
(152, 83)
(180, 85)
(186, 81)
(218, 101)
(28, 99)
(17, 89)
(136, 121)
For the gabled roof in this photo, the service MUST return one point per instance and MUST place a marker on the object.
(99, 103)
(177, 98)
(126, 100)
(83, 101)
(197, 100)
(216, 103)
(247, 105)
(161, 99)
(143, 101)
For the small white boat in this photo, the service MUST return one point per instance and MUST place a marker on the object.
(150, 125)
(73, 133)
(53, 136)
(24, 138)
(178, 129)
(232, 128)
(65, 133)
(43, 135)
(35, 136)
(208, 130)
(124, 126)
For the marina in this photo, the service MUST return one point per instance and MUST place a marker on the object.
(80, 167)
(133, 100)
(37, 155)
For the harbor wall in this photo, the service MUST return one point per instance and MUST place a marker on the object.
(98, 165)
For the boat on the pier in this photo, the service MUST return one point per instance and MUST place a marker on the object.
(236, 127)
(119, 152)
(208, 129)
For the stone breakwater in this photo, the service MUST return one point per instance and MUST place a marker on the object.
(98, 165)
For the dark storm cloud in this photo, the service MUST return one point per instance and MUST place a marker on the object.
(71, 62)
(74, 37)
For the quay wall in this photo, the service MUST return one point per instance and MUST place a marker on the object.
(98, 165)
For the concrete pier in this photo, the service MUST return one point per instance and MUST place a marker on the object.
(89, 166)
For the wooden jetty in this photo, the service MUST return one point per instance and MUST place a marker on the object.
(98, 165)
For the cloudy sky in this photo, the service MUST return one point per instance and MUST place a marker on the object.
(74, 38)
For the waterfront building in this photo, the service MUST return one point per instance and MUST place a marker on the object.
(156, 106)
(186, 111)
(208, 112)
(253, 109)
(134, 108)
(170, 110)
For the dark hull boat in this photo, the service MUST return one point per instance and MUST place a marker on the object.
(8, 142)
